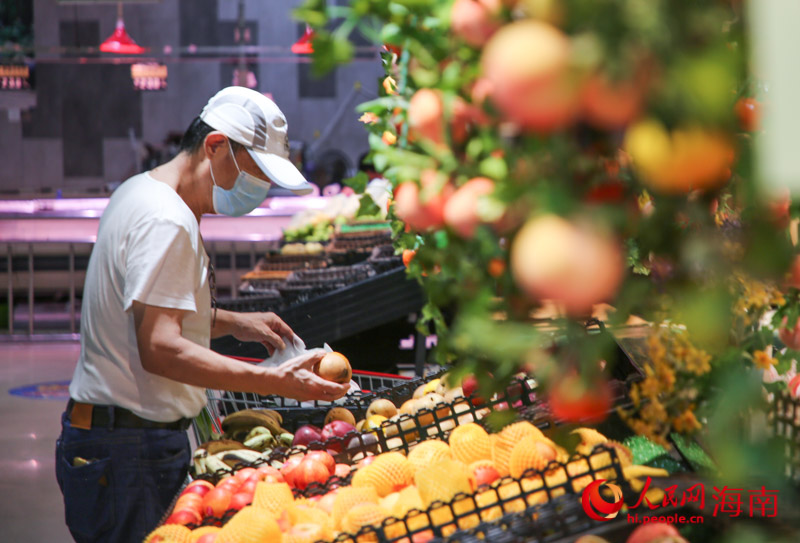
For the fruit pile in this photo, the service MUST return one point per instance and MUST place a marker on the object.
(474, 477)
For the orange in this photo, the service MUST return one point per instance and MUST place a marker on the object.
(428, 453)
(308, 514)
(389, 473)
(170, 533)
(442, 481)
(250, 525)
(347, 498)
(273, 497)
(470, 443)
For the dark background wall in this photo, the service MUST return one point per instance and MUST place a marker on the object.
(84, 128)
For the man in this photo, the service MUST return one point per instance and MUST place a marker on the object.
(147, 320)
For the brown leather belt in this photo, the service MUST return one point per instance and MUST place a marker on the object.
(86, 416)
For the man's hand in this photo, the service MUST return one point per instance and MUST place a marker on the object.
(266, 328)
(296, 379)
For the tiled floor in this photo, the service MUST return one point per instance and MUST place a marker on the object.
(31, 509)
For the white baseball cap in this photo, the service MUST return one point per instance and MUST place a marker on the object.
(250, 118)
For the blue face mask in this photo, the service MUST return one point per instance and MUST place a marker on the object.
(247, 193)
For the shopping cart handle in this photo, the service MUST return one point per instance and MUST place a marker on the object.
(357, 372)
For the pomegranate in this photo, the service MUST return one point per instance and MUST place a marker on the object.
(474, 21)
(536, 91)
(461, 210)
(423, 209)
(553, 259)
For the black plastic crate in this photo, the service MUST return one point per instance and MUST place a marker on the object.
(784, 421)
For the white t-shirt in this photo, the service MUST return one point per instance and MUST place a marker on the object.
(149, 250)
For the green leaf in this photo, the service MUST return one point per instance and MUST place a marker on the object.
(358, 182)
(367, 207)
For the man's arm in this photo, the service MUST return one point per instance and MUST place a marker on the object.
(266, 328)
(165, 352)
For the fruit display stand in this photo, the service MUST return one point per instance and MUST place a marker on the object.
(784, 423)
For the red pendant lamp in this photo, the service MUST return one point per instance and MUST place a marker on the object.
(303, 45)
(120, 42)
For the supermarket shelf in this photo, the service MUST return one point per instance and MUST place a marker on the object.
(340, 314)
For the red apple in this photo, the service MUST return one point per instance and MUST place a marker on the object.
(199, 487)
(240, 500)
(336, 428)
(216, 502)
(268, 474)
(288, 467)
(306, 434)
(484, 475)
(244, 474)
(366, 461)
(309, 471)
(184, 517)
(322, 456)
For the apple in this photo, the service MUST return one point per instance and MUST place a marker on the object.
(306, 434)
(244, 474)
(184, 517)
(322, 456)
(216, 502)
(310, 470)
(288, 467)
(240, 500)
(268, 474)
(199, 487)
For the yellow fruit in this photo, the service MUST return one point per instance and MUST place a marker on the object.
(504, 442)
(408, 406)
(365, 514)
(308, 514)
(590, 438)
(470, 443)
(531, 453)
(306, 532)
(431, 386)
(170, 533)
(676, 162)
(347, 498)
(373, 423)
(382, 407)
(428, 453)
(197, 533)
(388, 473)
(442, 481)
(273, 497)
(250, 525)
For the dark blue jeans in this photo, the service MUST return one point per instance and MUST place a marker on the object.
(125, 490)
